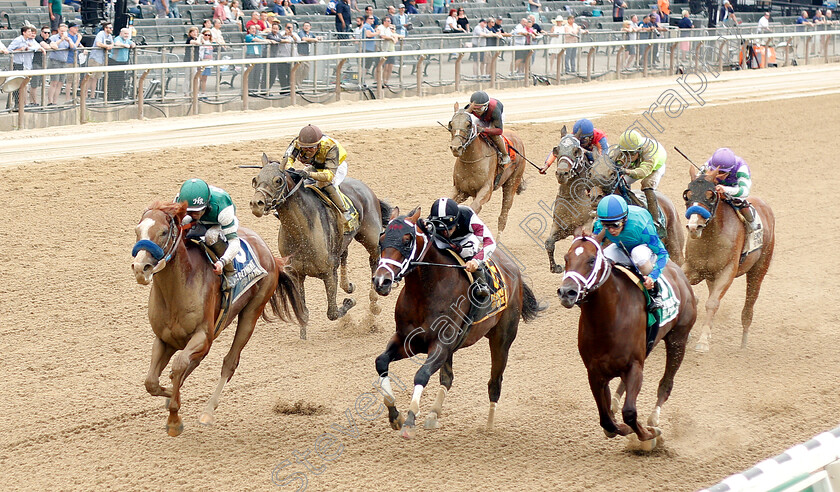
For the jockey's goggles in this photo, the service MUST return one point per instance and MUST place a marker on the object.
(612, 225)
(308, 146)
(479, 107)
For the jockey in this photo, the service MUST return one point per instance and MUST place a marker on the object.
(213, 208)
(325, 163)
(630, 229)
(591, 138)
(733, 180)
(489, 113)
(642, 159)
(462, 227)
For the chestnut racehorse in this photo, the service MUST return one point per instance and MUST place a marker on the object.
(475, 166)
(432, 316)
(716, 238)
(184, 303)
(612, 333)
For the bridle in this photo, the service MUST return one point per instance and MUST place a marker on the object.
(575, 166)
(162, 255)
(398, 269)
(275, 200)
(467, 135)
(596, 278)
(707, 211)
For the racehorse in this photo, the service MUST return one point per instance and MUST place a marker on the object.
(184, 303)
(607, 179)
(475, 166)
(716, 238)
(612, 333)
(310, 234)
(571, 206)
(432, 315)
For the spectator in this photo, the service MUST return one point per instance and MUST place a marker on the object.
(220, 11)
(664, 10)
(631, 30)
(618, 10)
(255, 21)
(656, 32)
(402, 21)
(206, 24)
(438, 6)
(462, 21)
(76, 5)
(39, 60)
(534, 6)
(23, 50)
(727, 14)
(803, 21)
(103, 42)
(819, 18)
(420, 6)
(236, 14)
(451, 24)
(388, 34)
(173, 9)
(54, 8)
(275, 38)
(572, 33)
(3, 48)
(306, 37)
(342, 18)
(255, 50)
(555, 34)
(522, 36)
(646, 32)
(72, 59)
(369, 42)
(191, 55)
(205, 53)
(133, 7)
(57, 58)
(685, 26)
(369, 13)
(829, 17)
(119, 56)
(392, 13)
(410, 7)
(217, 36)
(479, 40)
(532, 21)
(358, 28)
(764, 23)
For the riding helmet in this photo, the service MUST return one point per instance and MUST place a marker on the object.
(724, 160)
(583, 128)
(196, 193)
(309, 136)
(445, 211)
(630, 141)
(479, 98)
(612, 208)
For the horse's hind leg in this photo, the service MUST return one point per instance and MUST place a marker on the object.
(184, 363)
(392, 353)
(161, 353)
(373, 260)
(508, 192)
(616, 398)
(244, 329)
(754, 278)
(446, 376)
(675, 342)
(553, 237)
(333, 311)
(500, 342)
(346, 285)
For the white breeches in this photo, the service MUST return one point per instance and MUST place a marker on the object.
(641, 255)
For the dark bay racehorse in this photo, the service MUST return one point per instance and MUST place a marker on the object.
(612, 333)
(572, 207)
(309, 233)
(184, 303)
(607, 180)
(475, 166)
(716, 238)
(431, 314)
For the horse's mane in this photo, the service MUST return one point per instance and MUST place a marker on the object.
(178, 209)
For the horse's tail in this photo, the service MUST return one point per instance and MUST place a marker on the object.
(530, 306)
(286, 294)
(385, 210)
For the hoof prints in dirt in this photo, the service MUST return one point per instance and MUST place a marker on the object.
(300, 407)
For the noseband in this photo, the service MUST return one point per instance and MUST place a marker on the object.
(272, 200)
(596, 278)
(162, 255)
(398, 269)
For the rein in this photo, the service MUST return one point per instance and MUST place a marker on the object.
(596, 278)
(398, 269)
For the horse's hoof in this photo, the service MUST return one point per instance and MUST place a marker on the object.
(557, 269)
(408, 432)
(398, 422)
(303, 332)
(375, 309)
(609, 434)
(431, 421)
(175, 430)
(702, 347)
(348, 303)
(350, 288)
(207, 419)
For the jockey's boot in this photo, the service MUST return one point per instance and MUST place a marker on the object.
(655, 297)
(749, 219)
(219, 248)
(652, 204)
(481, 290)
(504, 158)
(332, 192)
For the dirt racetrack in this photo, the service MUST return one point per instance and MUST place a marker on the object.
(76, 341)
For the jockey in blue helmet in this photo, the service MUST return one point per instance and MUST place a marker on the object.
(630, 229)
(590, 138)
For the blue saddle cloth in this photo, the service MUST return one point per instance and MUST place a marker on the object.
(247, 270)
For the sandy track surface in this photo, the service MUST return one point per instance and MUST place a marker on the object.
(76, 341)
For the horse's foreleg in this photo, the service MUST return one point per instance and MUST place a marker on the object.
(161, 353)
(446, 376)
(333, 311)
(373, 260)
(616, 399)
(392, 353)
(300, 281)
(482, 197)
(500, 342)
(600, 388)
(717, 289)
(508, 192)
(458, 196)
(244, 329)
(438, 354)
(633, 381)
(184, 363)
(553, 237)
(346, 285)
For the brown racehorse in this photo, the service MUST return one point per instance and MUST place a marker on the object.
(431, 316)
(612, 333)
(606, 179)
(184, 303)
(716, 238)
(475, 166)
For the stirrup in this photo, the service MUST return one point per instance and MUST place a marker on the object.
(481, 290)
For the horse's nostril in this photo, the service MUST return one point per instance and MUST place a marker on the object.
(147, 267)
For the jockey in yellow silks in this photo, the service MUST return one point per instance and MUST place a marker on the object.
(642, 158)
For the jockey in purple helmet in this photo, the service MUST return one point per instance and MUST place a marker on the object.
(733, 180)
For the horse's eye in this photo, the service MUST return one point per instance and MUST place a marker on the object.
(686, 195)
(710, 195)
(406, 238)
(591, 261)
(164, 233)
(277, 180)
(449, 126)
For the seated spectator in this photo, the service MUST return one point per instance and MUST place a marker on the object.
(255, 21)
(220, 11)
(236, 13)
(451, 24)
(76, 5)
(462, 21)
(288, 8)
(216, 34)
(410, 7)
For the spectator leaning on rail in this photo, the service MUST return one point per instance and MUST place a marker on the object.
(23, 48)
(103, 43)
(255, 49)
(388, 34)
(306, 37)
(119, 56)
(57, 58)
(369, 44)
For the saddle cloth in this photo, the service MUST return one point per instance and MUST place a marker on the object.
(670, 302)
(508, 144)
(247, 270)
(754, 240)
(348, 204)
(498, 288)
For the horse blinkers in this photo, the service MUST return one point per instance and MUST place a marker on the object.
(701, 202)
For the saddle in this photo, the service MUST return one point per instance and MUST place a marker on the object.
(508, 146)
(354, 223)
(657, 317)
